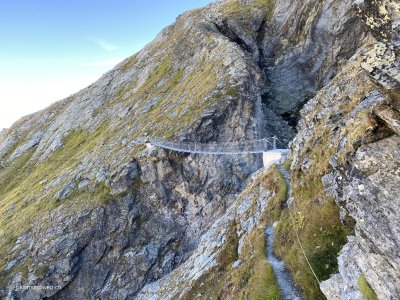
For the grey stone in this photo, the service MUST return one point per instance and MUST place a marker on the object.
(10, 265)
(66, 191)
(10, 207)
(83, 184)
(125, 178)
(237, 264)
(328, 179)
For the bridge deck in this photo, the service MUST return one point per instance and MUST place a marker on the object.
(223, 148)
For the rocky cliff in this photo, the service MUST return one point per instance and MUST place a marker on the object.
(90, 212)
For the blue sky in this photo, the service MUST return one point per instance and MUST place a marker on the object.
(52, 48)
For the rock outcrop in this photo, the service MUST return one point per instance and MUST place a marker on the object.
(87, 210)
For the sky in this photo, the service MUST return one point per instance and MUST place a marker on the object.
(50, 49)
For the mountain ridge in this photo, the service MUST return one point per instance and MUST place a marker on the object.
(85, 208)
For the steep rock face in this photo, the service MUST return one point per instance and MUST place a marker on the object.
(245, 212)
(298, 47)
(345, 121)
(304, 46)
(85, 206)
(231, 255)
(358, 114)
(369, 193)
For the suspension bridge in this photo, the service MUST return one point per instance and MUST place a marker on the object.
(272, 148)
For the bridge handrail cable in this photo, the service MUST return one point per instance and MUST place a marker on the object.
(252, 146)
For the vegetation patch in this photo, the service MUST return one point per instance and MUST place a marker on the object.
(275, 182)
(235, 8)
(172, 95)
(104, 193)
(255, 278)
(41, 271)
(365, 289)
(287, 164)
(20, 268)
(25, 199)
(10, 175)
(316, 218)
(129, 63)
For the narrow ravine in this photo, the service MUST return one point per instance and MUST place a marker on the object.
(285, 282)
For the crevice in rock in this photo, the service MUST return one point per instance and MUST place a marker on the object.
(292, 117)
(233, 37)
(260, 34)
(106, 280)
(390, 116)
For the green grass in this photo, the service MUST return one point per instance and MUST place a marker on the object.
(254, 279)
(130, 62)
(235, 8)
(256, 274)
(233, 91)
(41, 271)
(365, 289)
(21, 268)
(316, 218)
(276, 183)
(10, 176)
(196, 87)
(322, 235)
(287, 164)
(104, 193)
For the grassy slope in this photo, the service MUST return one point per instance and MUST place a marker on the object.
(22, 186)
(25, 184)
(234, 9)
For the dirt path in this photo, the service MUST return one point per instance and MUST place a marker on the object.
(285, 282)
